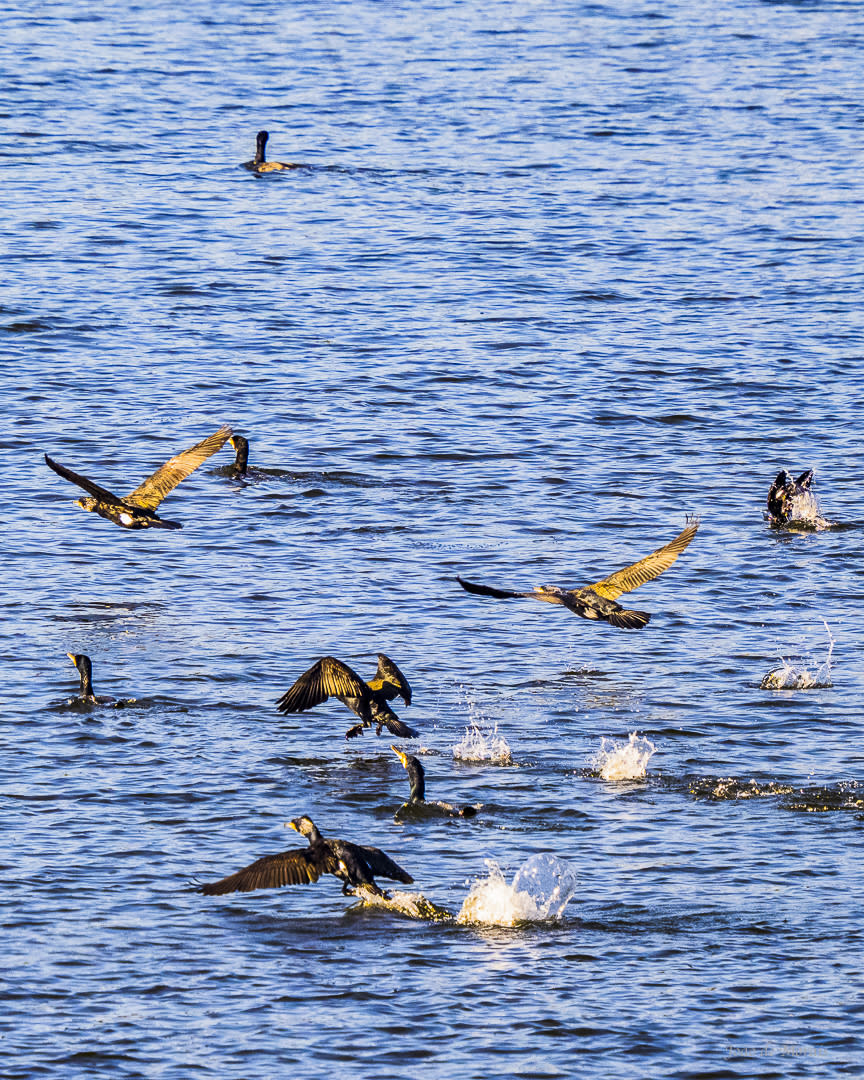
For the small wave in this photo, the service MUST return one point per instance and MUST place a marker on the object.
(801, 673)
(541, 889)
(623, 761)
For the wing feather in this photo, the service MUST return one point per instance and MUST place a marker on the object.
(389, 678)
(382, 865)
(631, 577)
(103, 494)
(271, 872)
(168, 476)
(328, 677)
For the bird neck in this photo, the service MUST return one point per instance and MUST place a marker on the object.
(313, 836)
(260, 147)
(242, 458)
(417, 776)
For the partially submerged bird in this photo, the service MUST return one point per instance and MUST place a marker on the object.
(355, 866)
(241, 461)
(417, 804)
(792, 502)
(137, 510)
(259, 162)
(330, 677)
(597, 601)
(85, 670)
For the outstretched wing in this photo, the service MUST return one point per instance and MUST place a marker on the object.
(623, 581)
(272, 872)
(390, 679)
(328, 678)
(168, 476)
(382, 865)
(487, 590)
(103, 494)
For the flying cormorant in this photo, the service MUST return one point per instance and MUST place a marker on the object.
(259, 165)
(598, 601)
(353, 864)
(137, 510)
(368, 700)
(417, 803)
(85, 670)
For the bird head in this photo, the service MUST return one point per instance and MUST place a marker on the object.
(403, 757)
(81, 662)
(86, 504)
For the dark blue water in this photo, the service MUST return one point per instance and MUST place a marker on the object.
(553, 277)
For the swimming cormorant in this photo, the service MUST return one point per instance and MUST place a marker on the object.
(417, 802)
(353, 864)
(330, 677)
(241, 461)
(85, 670)
(258, 164)
(137, 510)
(597, 601)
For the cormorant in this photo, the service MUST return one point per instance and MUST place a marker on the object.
(597, 601)
(417, 803)
(241, 461)
(85, 670)
(792, 501)
(329, 677)
(353, 864)
(259, 165)
(137, 510)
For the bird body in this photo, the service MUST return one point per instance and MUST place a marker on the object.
(417, 803)
(330, 677)
(599, 601)
(793, 502)
(137, 510)
(259, 164)
(85, 670)
(354, 864)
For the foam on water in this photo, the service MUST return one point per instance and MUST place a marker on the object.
(623, 761)
(412, 905)
(539, 892)
(801, 673)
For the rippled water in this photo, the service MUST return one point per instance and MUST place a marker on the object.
(554, 276)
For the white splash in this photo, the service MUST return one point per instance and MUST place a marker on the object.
(541, 889)
(796, 674)
(478, 744)
(623, 761)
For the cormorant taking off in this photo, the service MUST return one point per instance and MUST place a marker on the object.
(331, 678)
(598, 601)
(85, 670)
(258, 163)
(792, 500)
(353, 864)
(137, 510)
(417, 802)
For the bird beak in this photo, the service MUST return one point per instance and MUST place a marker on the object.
(402, 757)
(71, 656)
(292, 825)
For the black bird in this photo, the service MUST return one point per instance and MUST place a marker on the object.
(258, 163)
(241, 461)
(353, 864)
(793, 501)
(597, 602)
(330, 677)
(85, 670)
(417, 803)
(137, 510)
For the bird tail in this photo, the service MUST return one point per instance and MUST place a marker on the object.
(400, 730)
(630, 620)
(161, 523)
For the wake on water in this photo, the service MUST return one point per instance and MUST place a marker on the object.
(796, 673)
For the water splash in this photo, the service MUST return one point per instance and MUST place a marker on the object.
(845, 795)
(481, 741)
(623, 761)
(796, 673)
(412, 905)
(541, 889)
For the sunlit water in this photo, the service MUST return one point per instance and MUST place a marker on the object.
(554, 276)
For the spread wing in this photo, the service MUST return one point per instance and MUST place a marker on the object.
(487, 590)
(623, 581)
(154, 489)
(103, 494)
(328, 678)
(390, 679)
(294, 867)
(382, 865)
